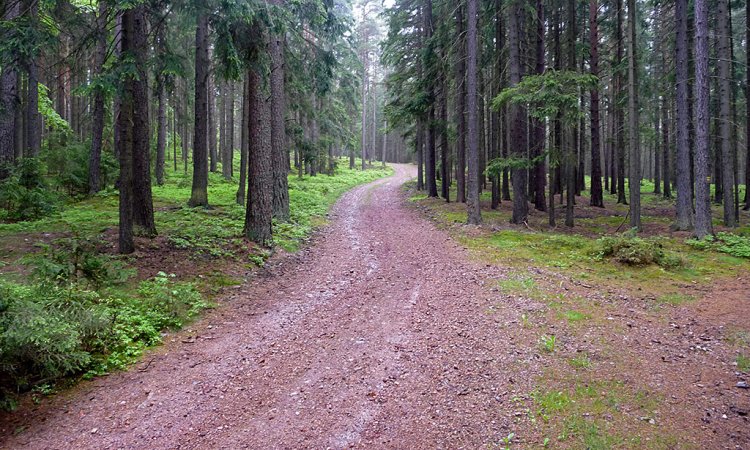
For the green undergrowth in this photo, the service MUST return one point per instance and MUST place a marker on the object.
(215, 231)
(71, 310)
(580, 411)
(81, 318)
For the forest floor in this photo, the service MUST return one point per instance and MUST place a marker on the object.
(401, 328)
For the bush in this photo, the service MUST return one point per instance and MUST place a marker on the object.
(70, 165)
(49, 331)
(635, 251)
(24, 195)
(76, 260)
(731, 244)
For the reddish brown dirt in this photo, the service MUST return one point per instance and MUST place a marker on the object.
(376, 336)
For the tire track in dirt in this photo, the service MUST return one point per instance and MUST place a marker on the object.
(375, 337)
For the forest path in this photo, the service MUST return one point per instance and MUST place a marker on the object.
(377, 336)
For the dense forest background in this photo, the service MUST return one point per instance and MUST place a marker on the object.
(533, 99)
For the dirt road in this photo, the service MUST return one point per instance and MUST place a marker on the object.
(377, 336)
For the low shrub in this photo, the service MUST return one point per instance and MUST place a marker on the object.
(634, 251)
(24, 195)
(49, 331)
(729, 243)
(77, 260)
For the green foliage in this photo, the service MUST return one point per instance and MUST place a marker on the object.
(548, 343)
(548, 95)
(49, 331)
(743, 363)
(77, 260)
(634, 251)
(24, 195)
(581, 361)
(70, 166)
(729, 243)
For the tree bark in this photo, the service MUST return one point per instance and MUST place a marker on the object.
(597, 195)
(703, 225)
(161, 109)
(199, 194)
(683, 169)
(259, 212)
(725, 96)
(244, 142)
(633, 122)
(9, 104)
(539, 127)
(278, 130)
(459, 75)
(474, 212)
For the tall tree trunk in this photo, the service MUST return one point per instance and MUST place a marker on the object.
(517, 114)
(703, 226)
(619, 118)
(199, 194)
(227, 157)
(459, 75)
(278, 129)
(33, 120)
(474, 212)
(496, 146)
(9, 103)
(747, 105)
(633, 123)
(725, 97)
(429, 160)
(244, 142)
(444, 165)
(569, 136)
(212, 149)
(683, 169)
(161, 114)
(419, 150)
(143, 211)
(597, 195)
(97, 129)
(539, 127)
(259, 211)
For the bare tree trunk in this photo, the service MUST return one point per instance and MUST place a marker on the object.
(459, 75)
(259, 212)
(619, 118)
(474, 211)
(597, 195)
(212, 150)
(725, 96)
(9, 104)
(199, 194)
(539, 127)
(634, 132)
(33, 122)
(496, 146)
(143, 210)
(703, 225)
(244, 142)
(683, 170)
(278, 130)
(161, 89)
(228, 156)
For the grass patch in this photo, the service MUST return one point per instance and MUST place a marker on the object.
(743, 363)
(517, 285)
(581, 361)
(675, 299)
